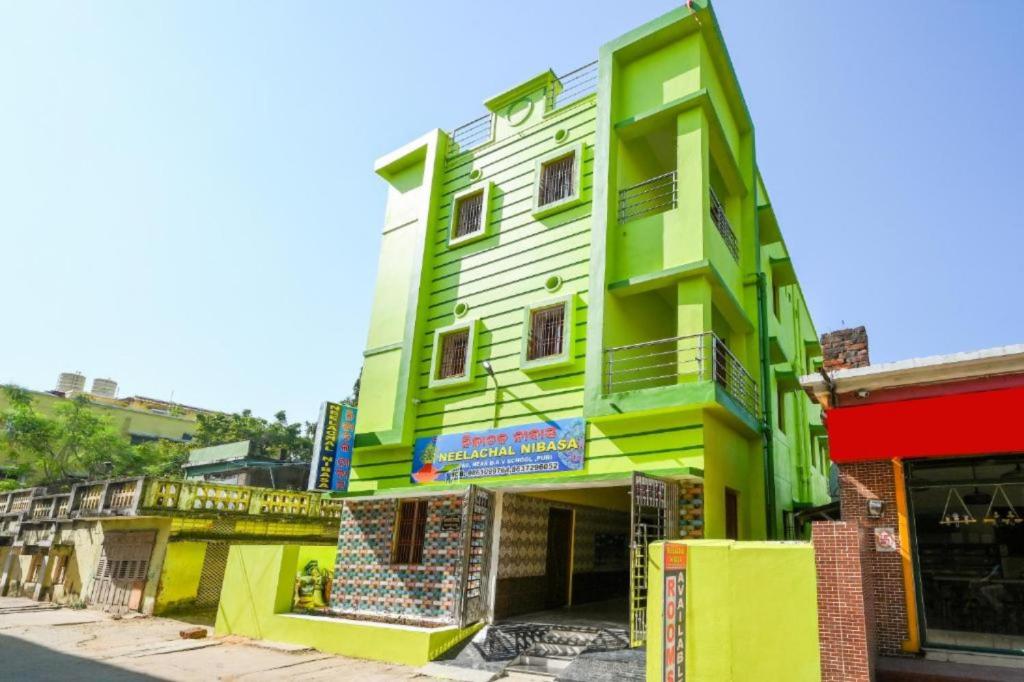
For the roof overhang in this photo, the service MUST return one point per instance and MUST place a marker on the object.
(935, 369)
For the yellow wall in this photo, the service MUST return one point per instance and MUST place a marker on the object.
(179, 578)
(257, 598)
(751, 612)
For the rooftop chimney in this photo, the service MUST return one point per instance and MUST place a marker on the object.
(845, 349)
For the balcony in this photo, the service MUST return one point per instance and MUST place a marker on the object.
(680, 360)
(723, 226)
(650, 197)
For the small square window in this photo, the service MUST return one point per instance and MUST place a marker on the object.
(470, 215)
(548, 334)
(453, 354)
(557, 181)
(410, 529)
(452, 360)
(547, 327)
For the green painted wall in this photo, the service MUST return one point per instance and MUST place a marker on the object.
(257, 597)
(751, 612)
(179, 578)
(667, 99)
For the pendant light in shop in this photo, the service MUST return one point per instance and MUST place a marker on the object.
(954, 516)
(1010, 517)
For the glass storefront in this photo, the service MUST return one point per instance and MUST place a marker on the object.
(968, 526)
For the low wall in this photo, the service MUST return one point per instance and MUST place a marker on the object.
(257, 598)
(749, 611)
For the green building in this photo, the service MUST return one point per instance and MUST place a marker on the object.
(586, 336)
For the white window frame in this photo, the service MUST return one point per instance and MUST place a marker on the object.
(485, 215)
(435, 360)
(576, 197)
(568, 334)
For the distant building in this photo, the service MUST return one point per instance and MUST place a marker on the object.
(138, 417)
(241, 463)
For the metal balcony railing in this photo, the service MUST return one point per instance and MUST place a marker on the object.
(470, 135)
(724, 228)
(576, 85)
(652, 196)
(676, 360)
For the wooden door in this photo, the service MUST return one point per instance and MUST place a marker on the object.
(122, 571)
(559, 557)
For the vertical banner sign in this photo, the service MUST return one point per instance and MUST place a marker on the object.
(332, 448)
(343, 455)
(674, 627)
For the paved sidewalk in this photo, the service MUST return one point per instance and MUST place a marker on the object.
(40, 642)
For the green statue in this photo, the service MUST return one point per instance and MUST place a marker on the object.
(309, 587)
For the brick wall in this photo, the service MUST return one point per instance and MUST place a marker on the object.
(845, 621)
(845, 348)
(366, 582)
(859, 482)
(844, 602)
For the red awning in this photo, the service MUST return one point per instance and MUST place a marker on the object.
(978, 423)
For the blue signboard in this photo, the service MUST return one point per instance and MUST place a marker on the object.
(332, 450)
(544, 447)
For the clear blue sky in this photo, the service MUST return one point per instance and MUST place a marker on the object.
(187, 202)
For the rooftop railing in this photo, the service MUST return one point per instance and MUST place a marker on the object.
(721, 222)
(652, 196)
(676, 360)
(470, 135)
(575, 86)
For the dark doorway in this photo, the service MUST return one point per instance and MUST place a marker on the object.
(968, 531)
(732, 515)
(559, 557)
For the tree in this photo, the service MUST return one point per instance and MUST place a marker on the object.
(78, 442)
(354, 398)
(74, 442)
(276, 439)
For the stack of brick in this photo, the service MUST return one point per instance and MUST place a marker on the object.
(845, 349)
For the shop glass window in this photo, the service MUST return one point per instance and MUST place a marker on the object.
(968, 537)
(547, 332)
(411, 528)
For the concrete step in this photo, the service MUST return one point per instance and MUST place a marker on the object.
(551, 650)
(540, 667)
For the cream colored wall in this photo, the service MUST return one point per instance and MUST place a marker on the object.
(87, 538)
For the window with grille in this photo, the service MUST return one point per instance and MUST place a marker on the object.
(452, 358)
(454, 347)
(557, 180)
(411, 528)
(547, 332)
(469, 216)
